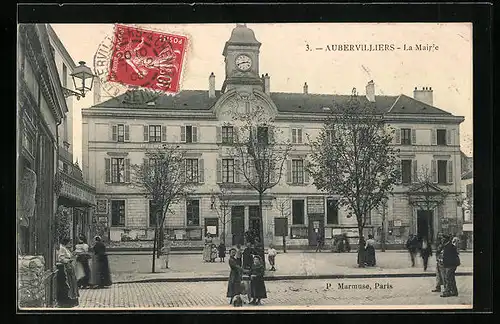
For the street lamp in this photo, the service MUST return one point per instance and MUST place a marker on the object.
(83, 79)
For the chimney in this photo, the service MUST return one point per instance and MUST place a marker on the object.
(370, 91)
(97, 91)
(266, 84)
(305, 88)
(211, 85)
(424, 95)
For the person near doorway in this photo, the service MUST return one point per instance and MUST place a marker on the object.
(67, 287)
(451, 260)
(439, 263)
(361, 252)
(412, 247)
(257, 285)
(100, 275)
(425, 252)
(271, 256)
(370, 252)
(319, 240)
(82, 266)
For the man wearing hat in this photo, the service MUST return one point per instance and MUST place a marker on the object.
(451, 261)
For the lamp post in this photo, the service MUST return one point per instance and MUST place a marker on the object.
(82, 80)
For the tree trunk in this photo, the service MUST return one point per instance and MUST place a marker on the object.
(383, 229)
(160, 241)
(361, 248)
(284, 244)
(154, 249)
(261, 230)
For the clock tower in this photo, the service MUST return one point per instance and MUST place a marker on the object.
(241, 55)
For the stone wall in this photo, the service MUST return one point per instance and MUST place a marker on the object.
(31, 277)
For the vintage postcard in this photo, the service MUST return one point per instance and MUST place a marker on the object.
(245, 166)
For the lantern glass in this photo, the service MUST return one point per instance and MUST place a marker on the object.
(82, 78)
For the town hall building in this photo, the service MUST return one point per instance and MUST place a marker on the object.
(116, 135)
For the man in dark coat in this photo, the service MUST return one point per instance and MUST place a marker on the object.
(439, 263)
(451, 261)
(412, 247)
(234, 282)
(247, 256)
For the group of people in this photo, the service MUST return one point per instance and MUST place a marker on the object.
(366, 252)
(75, 272)
(246, 277)
(211, 251)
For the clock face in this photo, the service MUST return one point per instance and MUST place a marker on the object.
(243, 62)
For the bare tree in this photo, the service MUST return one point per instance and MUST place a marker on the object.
(261, 153)
(220, 204)
(353, 158)
(283, 206)
(162, 177)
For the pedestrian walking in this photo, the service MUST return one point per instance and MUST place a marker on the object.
(165, 252)
(361, 252)
(425, 252)
(451, 261)
(319, 241)
(439, 263)
(412, 247)
(271, 256)
(222, 251)
(257, 285)
(100, 275)
(234, 283)
(67, 287)
(207, 249)
(370, 259)
(82, 267)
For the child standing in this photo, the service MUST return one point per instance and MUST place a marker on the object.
(213, 254)
(165, 252)
(271, 256)
(222, 251)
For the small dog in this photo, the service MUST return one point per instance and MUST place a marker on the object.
(237, 302)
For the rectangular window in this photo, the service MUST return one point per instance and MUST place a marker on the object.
(406, 171)
(298, 212)
(442, 171)
(227, 134)
(193, 212)
(154, 214)
(228, 170)
(262, 135)
(64, 75)
(332, 212)
(189, 134)
(212, 227)
(154, 133)
(192, 170)
(121, 133)
(405, 136)
(297, 171)
(441, 136)
(117, 212)
(117, 170)
(296, 135)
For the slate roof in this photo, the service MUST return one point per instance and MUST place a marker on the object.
(285, 102)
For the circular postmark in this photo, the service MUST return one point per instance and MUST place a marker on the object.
(139, 59)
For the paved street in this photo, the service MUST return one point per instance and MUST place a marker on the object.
(404, 291)
(127, 268)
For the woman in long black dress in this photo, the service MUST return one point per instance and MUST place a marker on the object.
(370, 259)
(67, 288)
(361, 252)
(257, 284)
(234, 282)
(100, 275)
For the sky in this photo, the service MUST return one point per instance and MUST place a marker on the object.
(447, 67)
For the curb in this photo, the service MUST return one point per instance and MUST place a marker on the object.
(148, 252)
(297, 277)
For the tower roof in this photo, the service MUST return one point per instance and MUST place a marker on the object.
(241, 35)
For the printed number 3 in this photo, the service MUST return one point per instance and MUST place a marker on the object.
(307, 47)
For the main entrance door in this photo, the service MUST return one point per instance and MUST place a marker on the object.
(424, 224)
(316, 226)
(238, 224)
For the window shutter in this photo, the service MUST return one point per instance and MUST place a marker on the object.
(195, 134)
(289, 171)
(201, 171)
(236, 170)
(413, 136)
(299, 135)
(235, 134)
(218, 134)
(114, 133)
(433, 137)
(448, 137)
(127, 170)
(107, 168)
(434, 171)
(146, 133)
(449, 164)
(127, 132)
(163, 133)
(397, 136)
(415, 171)
(183, 170)
(400, 171)
(219, 171)
(183, 134)
(294, 135)
(306, 172)
(270, 134)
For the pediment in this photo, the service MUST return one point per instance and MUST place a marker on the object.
(425, 187)
(238, 102)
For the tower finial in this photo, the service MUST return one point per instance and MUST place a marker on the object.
(241, 25)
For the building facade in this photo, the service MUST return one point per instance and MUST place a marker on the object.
(76, 198)
(117, 134)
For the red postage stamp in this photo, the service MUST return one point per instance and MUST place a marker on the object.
(148, 59)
